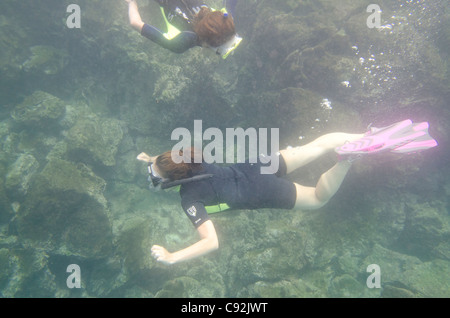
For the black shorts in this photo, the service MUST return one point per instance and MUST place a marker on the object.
(266, 190)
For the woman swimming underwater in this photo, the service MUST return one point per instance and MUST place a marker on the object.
(190, 23)
(207, 188)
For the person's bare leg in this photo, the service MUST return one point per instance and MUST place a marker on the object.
(326, 188)
(302, 155)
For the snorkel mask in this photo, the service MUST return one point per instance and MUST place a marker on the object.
(159, 183)
(154, 178)
(227, 48)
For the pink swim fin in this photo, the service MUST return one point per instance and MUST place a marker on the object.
(421, 143)
(401, 137)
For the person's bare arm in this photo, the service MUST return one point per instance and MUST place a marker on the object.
(208, 243)
(134, 16)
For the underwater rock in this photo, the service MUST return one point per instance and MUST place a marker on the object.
(94, 138)
(318, 69)
(180, 287)
(66, 213)
(384, 223)
(308, 110)
(390, 291)
(270, 250)
(429, 279)
(188, 287)
(59, 151)
(46, 60)
(171, 84)
(399, 56)
(73, 112)
(172, 98)
(273, 263)
(137, 292)
(139, 223)
(126, 160)
(105, 276)
(14, 36)
(5, 205)
(356, 28)
(20, 175)
(35, 276)
(134, 238)
(282, 289)
(426, 228)
(346, 286)
(442, 250)
(392, 264)
(6, 269)
(415, 278)
(128, 168)
(279, 34)
(24, 273)
(40, 110)
(9, 147)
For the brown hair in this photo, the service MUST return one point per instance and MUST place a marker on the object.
(176, 171)
(213, 28)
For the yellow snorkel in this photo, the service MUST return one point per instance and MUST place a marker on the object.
(227, 48)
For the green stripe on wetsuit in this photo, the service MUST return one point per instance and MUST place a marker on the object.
(217, 208)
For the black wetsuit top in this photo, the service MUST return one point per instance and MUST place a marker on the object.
(179, 13)
(241, 186)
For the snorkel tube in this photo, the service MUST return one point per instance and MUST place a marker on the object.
(159, 183)
(228, 47)
(170, 184)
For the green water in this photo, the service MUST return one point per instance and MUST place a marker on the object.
(79, 104)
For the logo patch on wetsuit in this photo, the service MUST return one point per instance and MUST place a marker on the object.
(192, 211)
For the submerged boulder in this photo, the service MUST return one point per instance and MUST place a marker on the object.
(187, 287)
(24, 272)
(46, 60)
(281, 289)
(20, 174)
(95, 139)
(66, 212)
(5, 205)
(40, 110)
(427, 278)
(346, 286)
(426, 232)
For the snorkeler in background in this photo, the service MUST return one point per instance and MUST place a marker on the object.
(209, 188)
(190, 23)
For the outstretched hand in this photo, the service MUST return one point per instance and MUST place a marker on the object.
(162, 255)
